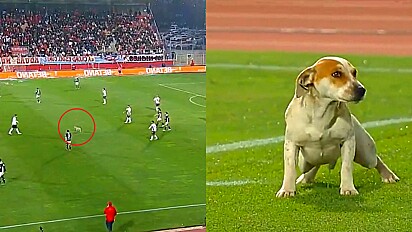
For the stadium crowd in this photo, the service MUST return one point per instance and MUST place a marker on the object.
(57, 32)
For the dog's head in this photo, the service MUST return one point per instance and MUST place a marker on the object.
(331, 77)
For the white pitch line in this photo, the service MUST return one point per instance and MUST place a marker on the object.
(190, 99)
(296, 68)
(231, 183)
(185, 83)
(182, 90)
(262, 142)
(100, 215)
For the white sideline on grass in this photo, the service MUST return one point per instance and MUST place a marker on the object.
(262, 142)
(100, 215)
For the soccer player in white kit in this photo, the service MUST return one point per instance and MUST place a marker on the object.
(153, 129)
(104, 93)
(157, 103)
(128, 114)
(38, 95)
(14, 125)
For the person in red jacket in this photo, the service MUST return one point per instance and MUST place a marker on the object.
(110, 212)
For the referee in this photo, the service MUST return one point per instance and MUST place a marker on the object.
(68, 139)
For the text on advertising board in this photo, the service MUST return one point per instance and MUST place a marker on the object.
(98, 72)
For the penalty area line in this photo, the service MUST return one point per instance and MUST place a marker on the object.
(182, 90)
(188, 92)
(191, 100)
(101, 215)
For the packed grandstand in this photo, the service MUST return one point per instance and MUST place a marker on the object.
(35, 36)
(56, 32)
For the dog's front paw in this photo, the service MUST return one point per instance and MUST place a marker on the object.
(282, 193)
(348, 191)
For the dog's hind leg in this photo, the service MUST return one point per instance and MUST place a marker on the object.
(308, 171)
(308, 177)
(366, 156)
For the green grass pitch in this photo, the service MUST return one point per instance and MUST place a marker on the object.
(45, 182)
(242, 183)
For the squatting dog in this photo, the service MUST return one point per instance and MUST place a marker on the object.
(320, 127)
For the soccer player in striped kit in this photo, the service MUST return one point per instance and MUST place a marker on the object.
(167, 122)
(14, 125)
(2, 171)
(77, 83)
(38, 95)
(104, 93)
(68, 139)
(159, 118)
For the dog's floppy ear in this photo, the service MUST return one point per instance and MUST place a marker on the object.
(303, 81)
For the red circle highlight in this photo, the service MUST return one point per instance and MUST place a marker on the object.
(90, 115)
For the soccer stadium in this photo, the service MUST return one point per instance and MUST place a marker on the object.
(256, 49)
(102, 119)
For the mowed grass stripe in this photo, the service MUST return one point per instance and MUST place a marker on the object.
(40, 180)
(118, 164)
(89, 159)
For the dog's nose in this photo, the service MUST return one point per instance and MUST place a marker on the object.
(360, 92)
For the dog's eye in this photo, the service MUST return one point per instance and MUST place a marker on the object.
(337, 74)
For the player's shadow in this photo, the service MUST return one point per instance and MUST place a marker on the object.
(52, 160)
(126, 226)
(202, 118)
(149, 144)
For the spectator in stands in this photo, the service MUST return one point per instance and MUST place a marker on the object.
(192, 62)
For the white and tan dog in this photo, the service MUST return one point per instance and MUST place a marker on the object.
(77, 129)
(320, 127)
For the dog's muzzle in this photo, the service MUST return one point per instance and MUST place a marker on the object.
(360, 92)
